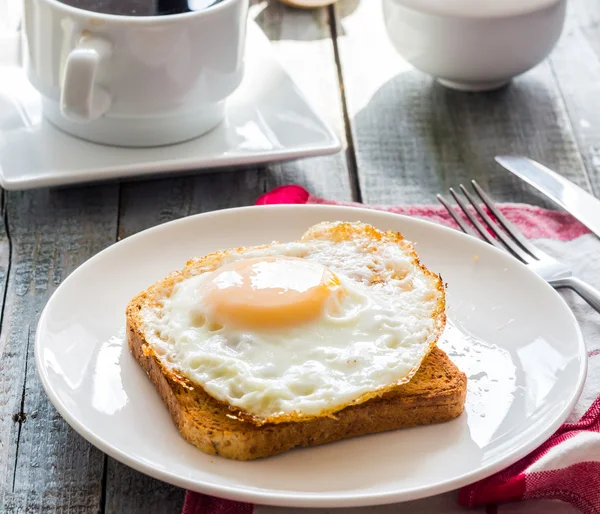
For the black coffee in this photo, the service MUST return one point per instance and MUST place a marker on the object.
(141, 7)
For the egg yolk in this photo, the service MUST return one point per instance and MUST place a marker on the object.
(272, 292)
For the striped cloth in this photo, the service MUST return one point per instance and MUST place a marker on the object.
(561, 476)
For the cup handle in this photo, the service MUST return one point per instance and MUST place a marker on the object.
(80, 98)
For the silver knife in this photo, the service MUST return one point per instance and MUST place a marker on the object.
(573, 199)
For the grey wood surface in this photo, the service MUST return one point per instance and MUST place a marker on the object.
(405, 139)
(414, 138)
(46, 466)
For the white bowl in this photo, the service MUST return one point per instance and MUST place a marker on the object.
(474, 45)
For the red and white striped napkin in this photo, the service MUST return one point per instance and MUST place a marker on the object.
(562, 475)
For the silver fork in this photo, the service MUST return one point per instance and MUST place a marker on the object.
(508, 237)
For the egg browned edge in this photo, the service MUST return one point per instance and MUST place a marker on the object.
(333, 231)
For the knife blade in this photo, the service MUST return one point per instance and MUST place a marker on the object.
(577, 202)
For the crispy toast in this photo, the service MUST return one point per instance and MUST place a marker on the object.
(432, 393)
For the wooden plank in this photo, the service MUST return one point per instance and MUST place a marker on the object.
(46, 466)
(575, 63)
(414, 138)
(139, 493)
(302, 41)
(150, 203)
(9, 404)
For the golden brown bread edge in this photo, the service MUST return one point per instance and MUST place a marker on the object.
(435, 394)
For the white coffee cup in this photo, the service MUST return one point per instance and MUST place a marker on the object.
(134, 80)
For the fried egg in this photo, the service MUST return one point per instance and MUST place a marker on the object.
(291, 331)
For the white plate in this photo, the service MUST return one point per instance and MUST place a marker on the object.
(268, 119)
(513, 335)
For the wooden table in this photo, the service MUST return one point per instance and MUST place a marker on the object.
(406, 139)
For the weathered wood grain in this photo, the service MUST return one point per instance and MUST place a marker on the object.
(9, 403)
(575, 63)
(46, 466)
(302, 41)
(414, 138)
(149, 203)
(139, 493)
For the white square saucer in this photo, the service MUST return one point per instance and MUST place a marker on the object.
(268, 119)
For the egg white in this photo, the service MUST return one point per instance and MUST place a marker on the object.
(379, 333)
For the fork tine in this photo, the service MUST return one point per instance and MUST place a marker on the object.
(475, 222)
(463, 226)
(513, 231)
(514, 248)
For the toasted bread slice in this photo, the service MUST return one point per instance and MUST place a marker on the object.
(435, 394)
(431, 393)
(372, 241)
